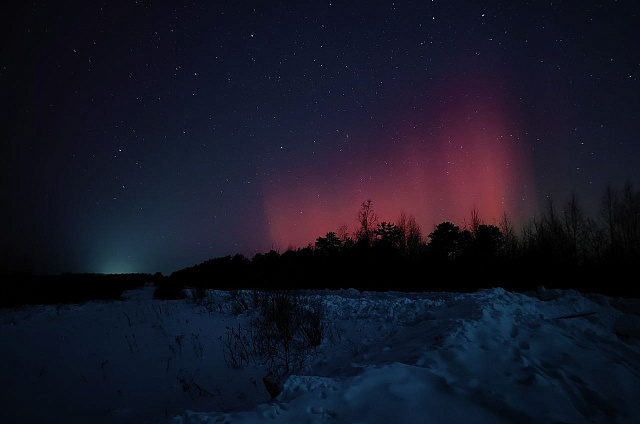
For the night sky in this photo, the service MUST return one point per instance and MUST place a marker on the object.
(143, 137)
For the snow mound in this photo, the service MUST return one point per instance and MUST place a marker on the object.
(492, 356)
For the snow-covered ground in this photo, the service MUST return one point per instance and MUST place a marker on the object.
(492, 356)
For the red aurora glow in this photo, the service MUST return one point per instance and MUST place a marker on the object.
(466, 152)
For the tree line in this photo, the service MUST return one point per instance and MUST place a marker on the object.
(559, 247)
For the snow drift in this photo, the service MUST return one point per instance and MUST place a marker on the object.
(491, 356)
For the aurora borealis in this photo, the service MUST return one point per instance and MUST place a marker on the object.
(436, 169)
(143, 137)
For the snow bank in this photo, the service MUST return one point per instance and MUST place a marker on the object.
(492, 356)
(487, 357)
(140, 360)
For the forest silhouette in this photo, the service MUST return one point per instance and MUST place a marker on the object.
(560, 247)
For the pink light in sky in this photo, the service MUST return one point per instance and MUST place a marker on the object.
(464, 152)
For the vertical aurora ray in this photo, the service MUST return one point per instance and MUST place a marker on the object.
(468, 152)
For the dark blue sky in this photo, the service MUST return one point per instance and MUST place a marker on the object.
(144, 136)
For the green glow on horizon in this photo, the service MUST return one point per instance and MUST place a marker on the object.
(117, 267)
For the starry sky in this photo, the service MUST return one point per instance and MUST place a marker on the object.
(145, 136)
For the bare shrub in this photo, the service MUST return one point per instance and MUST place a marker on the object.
(283, 336)
(192, 388)
(313, 322)
(237, 348)
(239, 303)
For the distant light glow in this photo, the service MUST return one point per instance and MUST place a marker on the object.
(147, 147)
(117, 267)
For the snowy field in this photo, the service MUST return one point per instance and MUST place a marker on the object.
(491, 357)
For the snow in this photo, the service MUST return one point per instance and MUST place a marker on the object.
(119, 361)
(492, 356)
